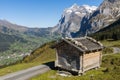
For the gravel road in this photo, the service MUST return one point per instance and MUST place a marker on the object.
(116, 50)
(26, 74)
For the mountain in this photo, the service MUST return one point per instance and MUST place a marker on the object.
(79, 21)
(71, 19)
(110, 32)
(6, 26)
(14, 29)
(18, 41)
(107, 13)
(14, 37)
(75, 21)
(39, 32)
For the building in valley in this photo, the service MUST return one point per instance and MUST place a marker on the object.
(78, 54)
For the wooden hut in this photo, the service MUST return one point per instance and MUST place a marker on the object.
(78, 54)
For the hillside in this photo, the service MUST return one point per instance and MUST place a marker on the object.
(110, 66)
(6, 25)
(110, 32)
(14, 29)
(110, 70)
(41, 55)
(44, 55)
(6, 40)
(14, 48)
(17, 41)
(11, 33)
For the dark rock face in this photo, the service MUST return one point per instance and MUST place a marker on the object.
(107, 13)
(112, 1)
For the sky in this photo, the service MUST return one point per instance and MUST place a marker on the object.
(38, 13)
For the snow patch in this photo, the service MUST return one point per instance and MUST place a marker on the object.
(90, 8)
(78, 13)
(74, 6)
(68, 11)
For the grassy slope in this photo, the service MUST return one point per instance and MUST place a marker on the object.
(110, 66)
(45, 54)
(111, 43)
(42, 54)
(108, 46)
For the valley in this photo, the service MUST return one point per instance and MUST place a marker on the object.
(18, 50)
(16, 41)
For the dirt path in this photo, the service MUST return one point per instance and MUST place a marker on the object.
(26, 74)
(115, 50)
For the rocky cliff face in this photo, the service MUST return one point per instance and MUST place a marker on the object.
(107, 13)
(77, 20)
(71, 19)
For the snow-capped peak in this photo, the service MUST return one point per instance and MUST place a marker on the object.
(74, 6)
(90, 9)
(80, 10)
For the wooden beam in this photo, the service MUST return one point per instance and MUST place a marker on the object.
(56, 62)
(83, 62)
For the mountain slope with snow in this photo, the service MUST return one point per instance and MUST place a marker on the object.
(71, 19)
(107, 13)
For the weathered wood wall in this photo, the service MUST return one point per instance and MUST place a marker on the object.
(68, 57)
(91, 60)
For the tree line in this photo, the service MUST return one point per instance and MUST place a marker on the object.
(110, 32)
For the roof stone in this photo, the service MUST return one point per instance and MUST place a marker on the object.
(84, 43)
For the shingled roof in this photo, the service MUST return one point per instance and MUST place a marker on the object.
(83, 44)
